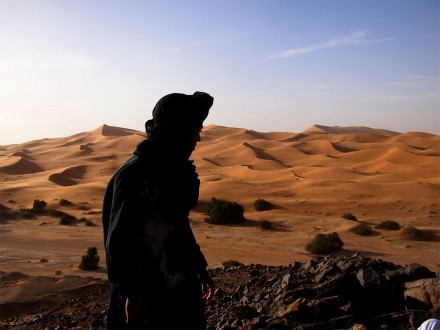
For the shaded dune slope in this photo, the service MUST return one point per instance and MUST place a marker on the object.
(19, 165)
(324, 164)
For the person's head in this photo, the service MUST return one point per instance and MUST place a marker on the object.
(178, 120)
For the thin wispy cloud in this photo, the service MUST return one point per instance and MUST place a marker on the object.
(351, 39)
(401, 84)
(425, 77)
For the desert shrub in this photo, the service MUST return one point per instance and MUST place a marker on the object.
(90, 260)
(412, 232)
(6, 213)
(262, 205)
(90, 223)
(55, 213)
(222, 211)
(388, 225)
(363, 230)
(27, 213)
(64, 202)
(67, 219)
(323, 244)
(39, 206)
(265, 224)
(87, 222)
(231, 263)
(349, 216)
(83, 208)
(420, 235)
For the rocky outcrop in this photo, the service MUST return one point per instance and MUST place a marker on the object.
(327, 293)
(424, 293)
(332, 292)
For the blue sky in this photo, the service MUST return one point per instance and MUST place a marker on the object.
(70, 66)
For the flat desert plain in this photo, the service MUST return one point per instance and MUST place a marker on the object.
(311, 178)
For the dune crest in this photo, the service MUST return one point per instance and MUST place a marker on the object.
(311, 178)
(22, 155)
(349, 130)
(18, 165)
(61, 180)
(106, 130)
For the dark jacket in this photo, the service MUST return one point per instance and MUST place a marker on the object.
(148, 240)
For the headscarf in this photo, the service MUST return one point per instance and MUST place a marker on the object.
(178, 115)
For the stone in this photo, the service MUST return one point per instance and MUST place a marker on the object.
(285, 281)
(244, 312)
(351, 293)
(423, 293)
(297, 306)
(367, 276)
(409, 273)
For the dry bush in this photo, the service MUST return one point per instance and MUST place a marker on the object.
(222, 211)
(324, 244)
(388, 225)
(363, 230)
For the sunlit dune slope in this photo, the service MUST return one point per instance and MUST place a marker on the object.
(311, 178)
(329, 167)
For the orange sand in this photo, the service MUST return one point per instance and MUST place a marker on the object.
(312, 178)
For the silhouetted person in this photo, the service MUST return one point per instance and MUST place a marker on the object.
(157, 271)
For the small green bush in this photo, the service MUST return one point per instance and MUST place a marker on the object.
(388, 225)
(39, 206)
(412, 232)
(363, 230)
(221, 211)
(349, 216)
(67, 219)
(27, 213)
(231, 263)
(265, 224)
(323, 244)
(64, 202)
(90, 261)
(262, 205)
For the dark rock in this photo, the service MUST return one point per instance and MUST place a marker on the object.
(367, 277)
(332, 292)
(409, 273)
(423, 294)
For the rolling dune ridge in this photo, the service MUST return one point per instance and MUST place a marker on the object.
(311, 178)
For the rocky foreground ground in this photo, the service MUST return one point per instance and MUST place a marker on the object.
(333, 292)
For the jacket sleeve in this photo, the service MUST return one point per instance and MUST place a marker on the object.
(199, 258)
(124, 209)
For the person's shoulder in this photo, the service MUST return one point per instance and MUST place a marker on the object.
(132, 169)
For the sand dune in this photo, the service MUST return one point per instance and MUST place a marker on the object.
(311, 177)
(22, 154)
(61, 179)
(18, 165)
(106, 130)
(349, 130)
(21, 292)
